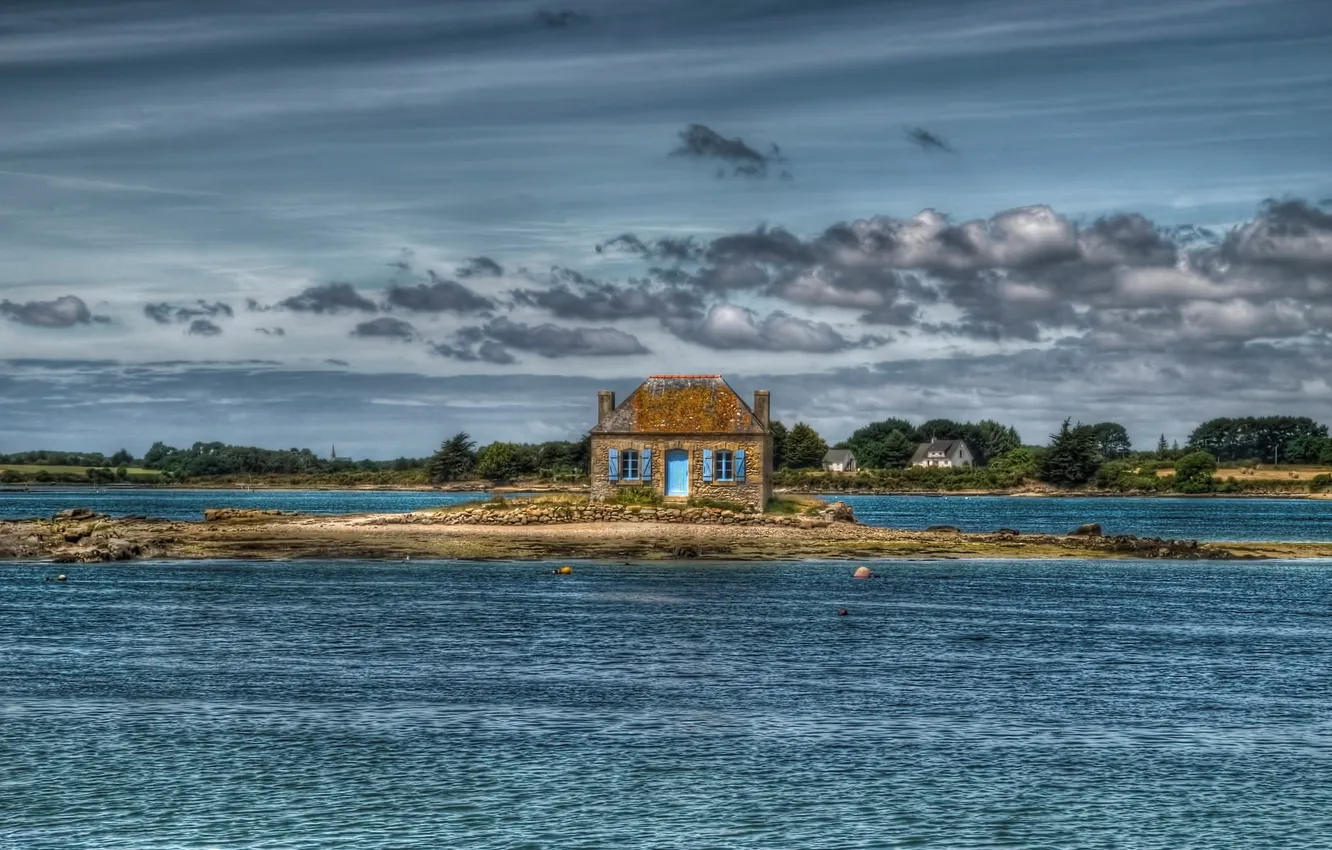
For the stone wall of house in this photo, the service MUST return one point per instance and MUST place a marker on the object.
(755, 490)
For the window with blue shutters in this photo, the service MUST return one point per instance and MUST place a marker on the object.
(647, 464)
(629, 464)
(740, 465)
(707, 464)
(724, 464)
(613, 465)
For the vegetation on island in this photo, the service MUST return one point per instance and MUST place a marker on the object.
(1226, 455)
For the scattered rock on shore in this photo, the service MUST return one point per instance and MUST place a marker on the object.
(1091, 529)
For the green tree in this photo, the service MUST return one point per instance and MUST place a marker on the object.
(895, 451)
(122, 474)
(454, 460)
(995, 439)
(868, 443)
(778, 431)
(1162, 448)
(500, 462)
(1194, 471)
(1072, 458)
(1112, 440)
(804, 447)
(122, 458)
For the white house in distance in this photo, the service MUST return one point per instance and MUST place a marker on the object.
(945, 453)
(839, 460)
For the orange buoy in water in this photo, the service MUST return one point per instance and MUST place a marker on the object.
(863, 572)
(566, 571)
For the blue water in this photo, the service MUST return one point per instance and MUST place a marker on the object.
(1178, 518)
(1201, 519)
(960, 705)
(190, 504)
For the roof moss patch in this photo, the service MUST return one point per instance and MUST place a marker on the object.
(682, 404)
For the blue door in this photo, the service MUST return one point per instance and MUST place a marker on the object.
(677, 472)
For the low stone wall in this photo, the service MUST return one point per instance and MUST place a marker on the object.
(565, 514)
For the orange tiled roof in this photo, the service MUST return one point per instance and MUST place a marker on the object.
(682, 404)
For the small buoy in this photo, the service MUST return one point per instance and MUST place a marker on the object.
(842, 612)
(863, 572)
(566, 571)
(61, 577)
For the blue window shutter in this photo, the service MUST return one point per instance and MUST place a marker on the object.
(740, 465)
(707, 464)
(646, 474)
(614, 465)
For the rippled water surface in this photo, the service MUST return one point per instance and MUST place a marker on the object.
(958, 705)
(190, 504)
(1180, 518)
(1201, 519)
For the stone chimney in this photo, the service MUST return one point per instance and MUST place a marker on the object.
(605, 405)
(762, 403)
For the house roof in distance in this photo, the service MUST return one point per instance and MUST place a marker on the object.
(682, 404)
(838, 456)
(945, 446)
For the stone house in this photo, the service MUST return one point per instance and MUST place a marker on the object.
(945, 453)
(685, 436)
(839, 460)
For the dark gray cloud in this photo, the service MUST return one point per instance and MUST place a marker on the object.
(271, 331)
(164, 313)
(728, 326)
(927, 141)
(594, 300)
(63, 312)
(385, 327)
(1027, 273)
(480, 267)
(495, 341)
(438, 296)
(550, 340)
(488, 351)
(203, 327)
(328, 298)
(698, 141)
(668, 248)
(557, 19)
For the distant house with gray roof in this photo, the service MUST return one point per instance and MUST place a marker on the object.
(839, 460)
(954, 453)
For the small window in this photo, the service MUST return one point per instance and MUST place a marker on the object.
(725, 461)
(629, 465)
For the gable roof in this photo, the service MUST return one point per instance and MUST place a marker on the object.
(945, 446)
(838, 456)
(682, 404)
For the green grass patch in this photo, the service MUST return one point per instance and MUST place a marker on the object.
(636, 495)
(789, 505)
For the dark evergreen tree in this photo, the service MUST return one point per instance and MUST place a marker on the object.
(1072, 458)
(454, 460)
(804, 447)
(778, 431)
(1112, 440)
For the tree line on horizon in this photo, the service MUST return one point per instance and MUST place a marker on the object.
(1075, 455)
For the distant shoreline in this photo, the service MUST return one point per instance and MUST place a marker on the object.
(538, 488)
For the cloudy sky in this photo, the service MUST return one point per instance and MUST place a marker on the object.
(377, 223)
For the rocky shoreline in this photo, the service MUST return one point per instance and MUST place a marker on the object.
(573, 532)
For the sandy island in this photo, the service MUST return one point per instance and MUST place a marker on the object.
(79, 536)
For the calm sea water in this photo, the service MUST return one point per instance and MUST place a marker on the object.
(1202, 519)
(190, 504)
(959, 705)
(1180, 518)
